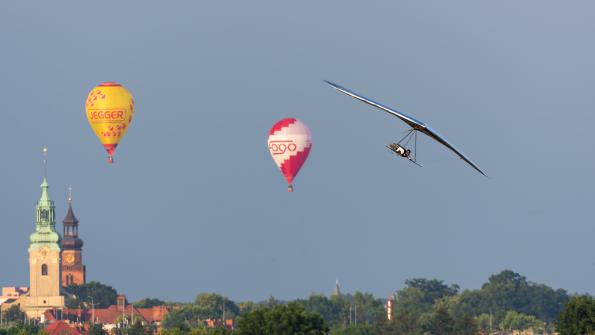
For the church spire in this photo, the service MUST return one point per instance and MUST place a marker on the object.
(45, 234)
(73, 270)
(44, 257)
(71, 226)
(337, 288)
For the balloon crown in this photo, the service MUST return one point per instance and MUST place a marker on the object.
(109, 83)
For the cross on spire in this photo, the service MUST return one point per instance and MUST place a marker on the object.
(69, 194)
(45, 162)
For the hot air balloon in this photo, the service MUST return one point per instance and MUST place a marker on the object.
(110, 109)
(290, 142)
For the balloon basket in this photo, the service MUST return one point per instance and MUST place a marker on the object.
(290, 188)
(110, 159)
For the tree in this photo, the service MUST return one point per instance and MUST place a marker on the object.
(213, 306)
(484, 322)
(405, 323)
(246, 306)
(149, 302)
(578, 317)
(360, 329)
(176, 319)
(432, 289)
(330, 309)
(102, 295)
(23, 329)
(442, 323)
(369, 309)
(137, 329)
(282, 320)
(518, 321)
(509, 291)
(96, 329)
(13, 314)
(465, 325)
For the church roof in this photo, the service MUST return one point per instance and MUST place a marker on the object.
(70, 219)
(70, 239)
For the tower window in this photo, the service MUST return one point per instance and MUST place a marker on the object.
(44, 270)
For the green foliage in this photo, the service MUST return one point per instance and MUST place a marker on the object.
(519, 321)
(149, 302)
(507, 301)
(13, 314)
(404, 323)
(509, 291)
(179, 319)
(214, 306)
(578, 316)
(332, 310)
(103, 295)
(369, 309)
(432, 289)
(22, 329)
(137, 329)
(420, 311)
(197, 331)
(96, 329)
(206, 306)
(420, 295)
(465, 325)
(247, 307)
(442, 323)
(484, 323)
(360, 329)
(336, 310)
(282, 320)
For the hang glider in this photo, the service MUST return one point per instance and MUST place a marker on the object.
(416, 126)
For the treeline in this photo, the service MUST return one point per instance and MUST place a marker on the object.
(506, 302)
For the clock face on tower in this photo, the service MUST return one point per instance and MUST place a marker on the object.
(69, 259)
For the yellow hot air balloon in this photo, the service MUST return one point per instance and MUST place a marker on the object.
(110, 109)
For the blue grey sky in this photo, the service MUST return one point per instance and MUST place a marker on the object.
(194, 202)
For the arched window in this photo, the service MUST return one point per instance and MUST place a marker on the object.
(44, 270)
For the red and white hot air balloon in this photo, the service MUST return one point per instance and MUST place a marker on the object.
(290, 142)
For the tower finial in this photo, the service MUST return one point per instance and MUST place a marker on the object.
(45, 162)
(69, 194)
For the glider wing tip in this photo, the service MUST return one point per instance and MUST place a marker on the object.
(330, 83)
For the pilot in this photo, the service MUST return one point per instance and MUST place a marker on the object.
(402, 151)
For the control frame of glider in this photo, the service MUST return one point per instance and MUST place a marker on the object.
(416, 126)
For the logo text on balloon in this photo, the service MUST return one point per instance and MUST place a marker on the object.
(109, 115)
(281, 147)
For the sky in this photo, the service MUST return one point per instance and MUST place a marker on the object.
(194, 202)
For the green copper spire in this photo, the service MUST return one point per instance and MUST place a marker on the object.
(45, 234)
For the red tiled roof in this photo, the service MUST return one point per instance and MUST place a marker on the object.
(61, 328)
(111, 314)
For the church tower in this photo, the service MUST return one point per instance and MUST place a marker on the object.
(73, 270)
(44, 259)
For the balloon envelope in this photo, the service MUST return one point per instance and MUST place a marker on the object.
(289, 143)
(110, 109)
